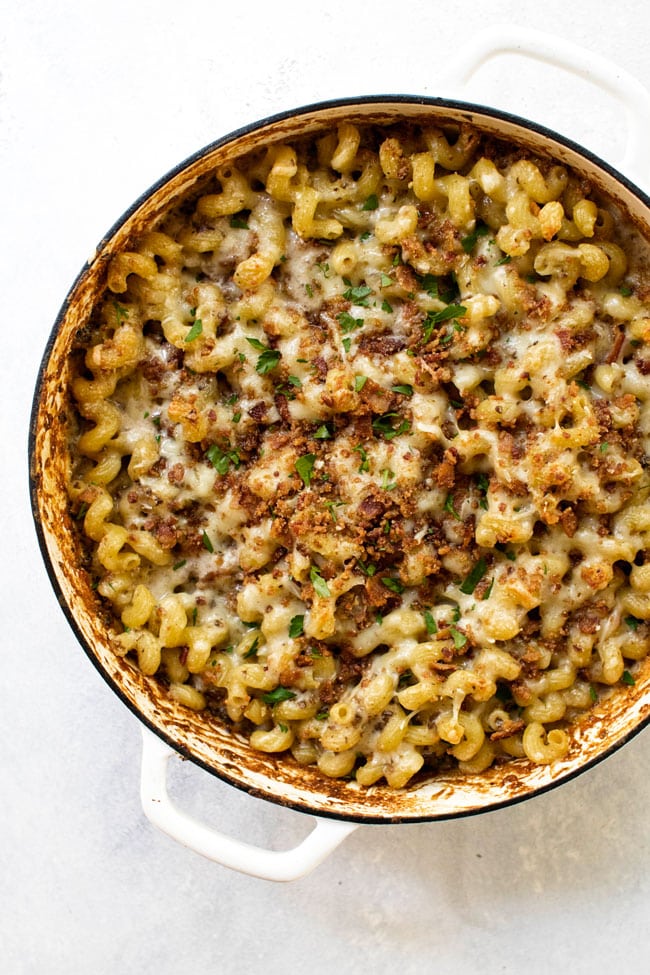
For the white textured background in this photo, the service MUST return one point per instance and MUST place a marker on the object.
(97, 100)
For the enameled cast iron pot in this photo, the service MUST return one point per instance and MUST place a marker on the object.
(339, 806)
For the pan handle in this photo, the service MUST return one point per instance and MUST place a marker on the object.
(564, 54)
(281, 865)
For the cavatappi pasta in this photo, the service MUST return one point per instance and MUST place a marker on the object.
(360, 458)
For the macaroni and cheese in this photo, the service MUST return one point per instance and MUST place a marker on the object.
(360, 453)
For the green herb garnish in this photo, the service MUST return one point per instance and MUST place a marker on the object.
(278, 695)
(384, 426)
(358, 295)
(268, 359)
(195, 331)
(120, 312)
(368, 568)
(430, 623)
(348, 323)
(471, 581)
(449, 507)
(296, 626)
(305, 467)
(468, 243)
(459, 638)
(393, 584)
(371, 203)
(320, 586)
(222, 459)
(436, 317)
(365, 464)
(332, 506)
(388, 480)
(252, 650)
(488, 591)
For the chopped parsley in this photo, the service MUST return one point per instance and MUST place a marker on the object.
(472, 579)
(365, 464)
(405, 389)
(469, 243)
(305, 468)
(120, 312)
(207, 544)
(278, 695)
(384, 426)
(348, 323)
(296, 626)
(222, 459)
(320, 586)
(483, 485)
(332, 506)
(267, 361)
(358, 295)
(359, 383)
(388, 480)
(252, 650)
(488, 591)
(195, 331)
(239, 221)
(459, 638)
(269, 358)
(371, 203)
(368, 568)
(323, 433)
(393, 584)
(256, 344)
(436, 317)
(446, 288)
(508, 552)
(628, 679)
(430, 623)
(449, 507)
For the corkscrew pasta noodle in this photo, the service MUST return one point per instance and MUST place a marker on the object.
(360, 451)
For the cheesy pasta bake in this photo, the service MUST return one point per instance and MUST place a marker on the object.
(360, 451)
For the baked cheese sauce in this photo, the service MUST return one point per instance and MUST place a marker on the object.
(361, 451)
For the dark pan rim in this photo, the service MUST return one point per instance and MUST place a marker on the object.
(442, 104)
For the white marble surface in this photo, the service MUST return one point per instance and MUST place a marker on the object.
(97, 100)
